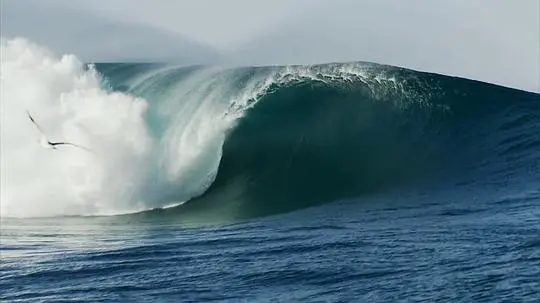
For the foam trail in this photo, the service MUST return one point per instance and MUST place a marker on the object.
(67, 101)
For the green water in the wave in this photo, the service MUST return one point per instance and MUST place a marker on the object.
(315, 134)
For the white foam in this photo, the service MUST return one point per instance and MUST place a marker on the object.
(69, 104)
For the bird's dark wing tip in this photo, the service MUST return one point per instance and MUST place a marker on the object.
(30, 116)
(67, 143)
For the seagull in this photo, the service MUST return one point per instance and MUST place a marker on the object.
(46, 143)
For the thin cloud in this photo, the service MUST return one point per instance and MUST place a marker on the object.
(488, 40)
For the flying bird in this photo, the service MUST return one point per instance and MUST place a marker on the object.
(46, 143)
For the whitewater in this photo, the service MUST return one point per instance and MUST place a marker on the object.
(69, 100)
(70, 104)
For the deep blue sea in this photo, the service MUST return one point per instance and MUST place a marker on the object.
(343, 182)
(413, 248)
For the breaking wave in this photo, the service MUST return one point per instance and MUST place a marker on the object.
(250, 141)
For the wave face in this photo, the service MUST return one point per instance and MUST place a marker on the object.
(334, 132)
(244, 142)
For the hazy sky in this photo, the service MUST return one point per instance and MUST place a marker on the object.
(221, 24)
(490, 40)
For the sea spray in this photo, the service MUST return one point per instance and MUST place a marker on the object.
(66, 99)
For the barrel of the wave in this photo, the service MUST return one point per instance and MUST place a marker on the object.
(326, 138)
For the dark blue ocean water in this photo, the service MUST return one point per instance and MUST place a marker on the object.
(459, 245)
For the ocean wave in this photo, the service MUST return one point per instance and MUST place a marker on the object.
(247, 141)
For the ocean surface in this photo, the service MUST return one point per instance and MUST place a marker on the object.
(338, 182)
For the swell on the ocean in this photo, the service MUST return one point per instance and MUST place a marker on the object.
(251, 141)
(325, 138)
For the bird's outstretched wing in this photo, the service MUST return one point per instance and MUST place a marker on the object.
(53, 144)
(67, 143)
(35, 123)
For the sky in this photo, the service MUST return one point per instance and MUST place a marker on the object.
(221, 24)
(490, 40)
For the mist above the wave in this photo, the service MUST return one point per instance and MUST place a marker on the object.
(493, 41)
